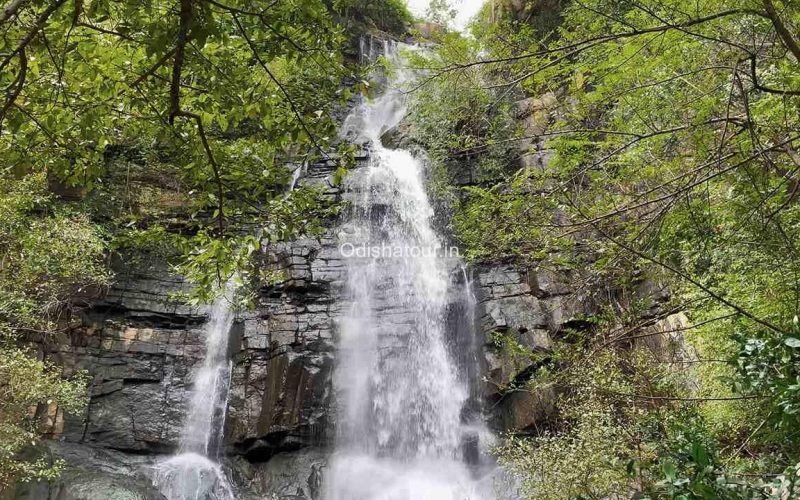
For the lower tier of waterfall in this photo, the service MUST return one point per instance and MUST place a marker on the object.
(193, 472)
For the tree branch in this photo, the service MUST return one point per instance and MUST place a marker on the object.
(214, 165)
(280, 86)
(177, 65)
(19, 83)
(100, 29)
(714, 295)
(598, 40)
(11, 9)
(786, 37)
(763, 88)
(625, 336)
(37, 26)
(154, 67)
(691, 400)
(695, 183)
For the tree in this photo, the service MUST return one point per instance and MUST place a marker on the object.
(215, 98)
(440, 12)
(670, 134)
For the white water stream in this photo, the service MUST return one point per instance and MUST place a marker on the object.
(193, 472)
(401, 425)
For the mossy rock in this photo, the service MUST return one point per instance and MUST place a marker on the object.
(79, 484)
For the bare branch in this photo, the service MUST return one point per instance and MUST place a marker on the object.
(100, 29)
(764, 88)
(588, 43)
(695, 183)
(625, 335)
(714, 295)
(689, 400)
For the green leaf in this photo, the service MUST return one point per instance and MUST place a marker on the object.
(699, 454)
(670, 471)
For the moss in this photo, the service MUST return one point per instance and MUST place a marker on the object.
(389, 16)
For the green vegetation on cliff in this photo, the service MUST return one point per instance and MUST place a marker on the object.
(654, 140)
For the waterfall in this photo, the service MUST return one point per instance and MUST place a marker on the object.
(404, 427)
(193, 473)
(297, 173)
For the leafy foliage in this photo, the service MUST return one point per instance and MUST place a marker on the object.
(53, 255)
(659, 140)
(458, 122)
(193, 106)
(29, 389)
(581, 461)
(168, 128)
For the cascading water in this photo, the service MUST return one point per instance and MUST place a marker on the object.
(403, 423)
(193, 473)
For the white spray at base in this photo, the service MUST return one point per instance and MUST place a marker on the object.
(403, 425)
(193, 473)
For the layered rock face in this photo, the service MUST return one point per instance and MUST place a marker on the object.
(140, 347)
(523, 309)
(530, 308)
(283, 358)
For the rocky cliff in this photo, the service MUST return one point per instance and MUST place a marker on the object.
(140, 348)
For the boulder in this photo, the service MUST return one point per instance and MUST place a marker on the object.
(93, 474)
(525, 410)
(287, 476)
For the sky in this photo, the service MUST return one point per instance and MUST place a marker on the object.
(465, 8)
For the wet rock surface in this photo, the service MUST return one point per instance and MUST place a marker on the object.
(287, 476)
(280, 387)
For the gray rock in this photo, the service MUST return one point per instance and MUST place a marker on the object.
(88, 485)
(93, 474)
(523, 312)
(537, 160)
(147, 289)
(536, 340)
(525, 410)
(652, 294)
(569, 311)
(545, 282)
(287, 476)
(665, 340)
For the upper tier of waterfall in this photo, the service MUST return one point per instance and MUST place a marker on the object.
(404, 431)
